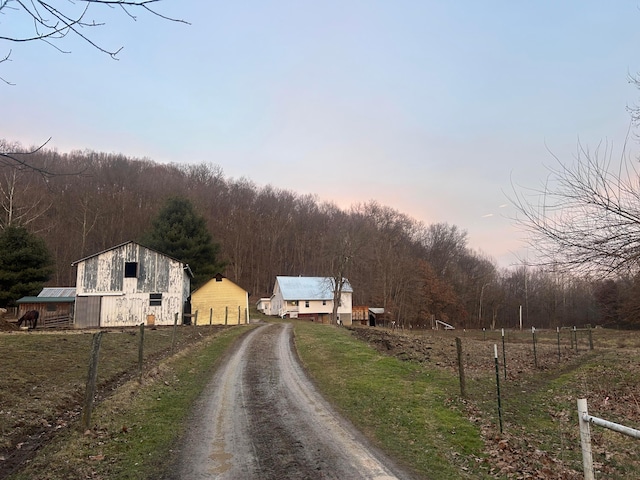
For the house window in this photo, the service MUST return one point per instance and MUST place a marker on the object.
(294, 303)
(130, 269)
(306, 303)
(155, 299)
(324, 302)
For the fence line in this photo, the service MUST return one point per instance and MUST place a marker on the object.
(585, 435)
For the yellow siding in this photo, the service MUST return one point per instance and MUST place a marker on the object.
(221, 298)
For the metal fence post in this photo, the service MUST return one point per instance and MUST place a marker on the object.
(585, 440)
(495, 357)
(535, 353)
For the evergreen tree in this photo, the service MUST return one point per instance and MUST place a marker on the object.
(178, 231)
(25, 264)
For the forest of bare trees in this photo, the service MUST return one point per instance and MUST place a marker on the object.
(417, 272)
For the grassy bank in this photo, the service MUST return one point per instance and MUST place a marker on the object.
(410, 411)
(135, 428)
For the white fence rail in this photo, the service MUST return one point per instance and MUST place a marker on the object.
(585, 435)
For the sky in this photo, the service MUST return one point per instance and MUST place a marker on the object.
(438, 109)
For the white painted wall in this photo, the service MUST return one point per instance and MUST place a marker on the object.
(126, 301)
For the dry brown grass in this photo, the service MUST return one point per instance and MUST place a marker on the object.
(43, 378)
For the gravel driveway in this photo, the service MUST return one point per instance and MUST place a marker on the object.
(261, 418)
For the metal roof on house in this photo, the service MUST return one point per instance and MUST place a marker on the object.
(52, 292)
(309, 288)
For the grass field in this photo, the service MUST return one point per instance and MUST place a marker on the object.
(400, 388)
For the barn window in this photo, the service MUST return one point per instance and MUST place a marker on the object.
(306, 303)
(324, 302)
(51, 307)
(155, 299)
(130, 269)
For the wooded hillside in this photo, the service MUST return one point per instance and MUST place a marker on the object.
(81, 203)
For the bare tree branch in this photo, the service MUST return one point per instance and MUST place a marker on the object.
(17, 158)
(586, 217)
(51, 22)
(54, 20)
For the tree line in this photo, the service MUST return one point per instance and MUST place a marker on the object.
(89, 201)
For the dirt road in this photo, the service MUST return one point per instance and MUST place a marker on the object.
(262, 418)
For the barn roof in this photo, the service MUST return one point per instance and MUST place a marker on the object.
(56, 292)
(186, 265)
(40, 299)
(309, 288)
(52, 295)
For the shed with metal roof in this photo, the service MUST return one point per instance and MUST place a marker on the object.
(55, 306)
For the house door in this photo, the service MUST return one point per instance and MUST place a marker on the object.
(88, 312)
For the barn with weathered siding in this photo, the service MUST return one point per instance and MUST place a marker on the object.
(220, 302)
(130, 284)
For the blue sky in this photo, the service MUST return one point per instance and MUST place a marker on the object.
(432, 108)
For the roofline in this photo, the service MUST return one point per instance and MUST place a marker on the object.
(346, 282)
(46, 300)
(186, 265)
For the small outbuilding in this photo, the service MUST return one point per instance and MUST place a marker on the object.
(264, 305)
(220, 302)
(55, 306)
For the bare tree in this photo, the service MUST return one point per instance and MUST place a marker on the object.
(51, 21)
(56, 19)
(586, 217)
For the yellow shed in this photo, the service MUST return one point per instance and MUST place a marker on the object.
(220, 302)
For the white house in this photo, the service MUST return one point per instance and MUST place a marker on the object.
(310, 297)
(130, 284)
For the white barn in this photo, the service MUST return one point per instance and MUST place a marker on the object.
(311, 298)
(130, 284)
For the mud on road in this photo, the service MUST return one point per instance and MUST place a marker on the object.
(261, 417)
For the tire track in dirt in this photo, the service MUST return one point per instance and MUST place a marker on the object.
(262, 418)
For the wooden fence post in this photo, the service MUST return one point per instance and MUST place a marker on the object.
(463, 389)
(210, 315)
(238, 314)
(140, 352)
(504, 356)
(226, 314)
(173, 338)
(91, 381)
